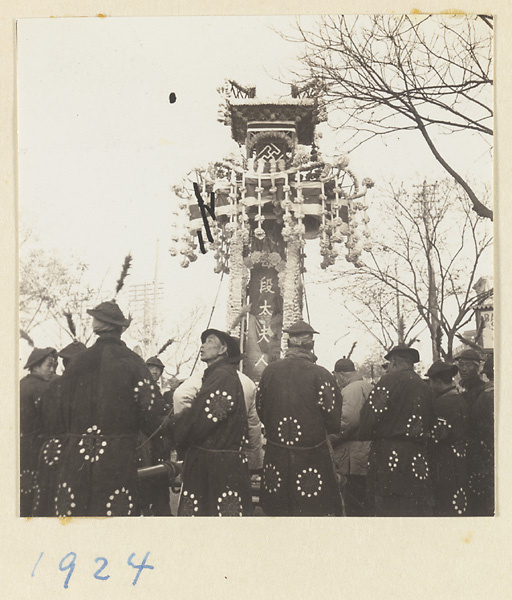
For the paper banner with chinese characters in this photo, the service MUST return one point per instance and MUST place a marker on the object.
(263, 340)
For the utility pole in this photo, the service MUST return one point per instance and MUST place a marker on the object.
(427, 199)
(399, 320)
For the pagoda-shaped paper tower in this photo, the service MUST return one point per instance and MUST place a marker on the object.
(266, 205)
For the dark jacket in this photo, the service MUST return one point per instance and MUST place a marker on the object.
(299, 403)
(213, 433)
(449, 455)
(31, 390)
(481, 455)
(398, 417)
(91, 417)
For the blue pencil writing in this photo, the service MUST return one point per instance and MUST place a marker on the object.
(69, 567)
(97, 574)
(37, 562)
(140, 567)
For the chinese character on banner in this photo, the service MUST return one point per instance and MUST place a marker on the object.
(266, 285)
(265, 309)
(262, 360)
(265, 333)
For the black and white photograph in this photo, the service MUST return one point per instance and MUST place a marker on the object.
(256, 266)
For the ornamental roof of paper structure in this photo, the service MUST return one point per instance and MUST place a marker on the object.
(487, 304)
(304, 112)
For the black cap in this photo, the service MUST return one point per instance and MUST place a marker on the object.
(299, 327)
(155, 362)
(344, 365)
(470, 354)
(404, 351)
(38, 355)
(440, 368)
(71, 349)
(232, 344)
(109, 312)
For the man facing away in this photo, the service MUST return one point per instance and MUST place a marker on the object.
(41, 364)
(299, 403)
(449, 442)
(88, 464)
(350, 454)
(397, 419)
(212, 431)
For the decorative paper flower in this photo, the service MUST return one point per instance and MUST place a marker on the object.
(368, 183)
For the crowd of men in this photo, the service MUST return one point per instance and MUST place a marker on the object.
(103, 440)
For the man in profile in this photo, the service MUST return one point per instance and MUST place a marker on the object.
(41, 367)
(397, 419)
(212, 431)
(299, 403)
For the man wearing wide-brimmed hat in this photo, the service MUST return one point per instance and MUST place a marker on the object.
(212, 431)
(105, 397)
(40, 364)
(397, 419)
(299, 403)
(449, 442)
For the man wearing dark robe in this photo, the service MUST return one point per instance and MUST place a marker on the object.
(472, 386)
(88, 464)
(299, 403)
(397, 419)
(212, 431)
(449, 442)
(482, 493)
(40, 364)
(154, 492)
(70, 351)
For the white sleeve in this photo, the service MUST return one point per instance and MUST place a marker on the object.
(185, 393)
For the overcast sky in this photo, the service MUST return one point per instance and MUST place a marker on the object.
(100, 145)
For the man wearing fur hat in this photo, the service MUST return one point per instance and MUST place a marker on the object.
(212, 430)
(91, 420)
(40, 364)
(449, 437)
(397, 419)
(299, 403)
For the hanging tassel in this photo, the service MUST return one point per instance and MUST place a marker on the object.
(24, 335)
(124, 272)
(71, 324)
(165, 346)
